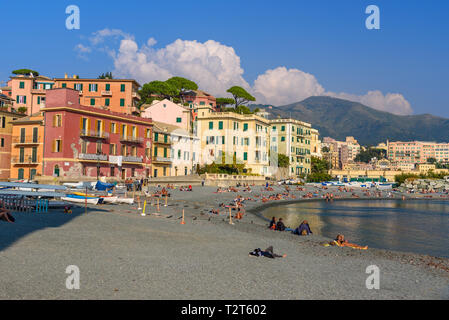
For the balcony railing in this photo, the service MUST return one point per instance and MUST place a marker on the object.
(132, 159)
(131, 139)
(26, 140)
(162, 159)
(92, 156)
(94, 134)
(136, 95)
(25, 160)
(106, 93)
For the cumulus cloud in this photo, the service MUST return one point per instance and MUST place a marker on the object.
(216, 67)
(390, 102)
(282, 86)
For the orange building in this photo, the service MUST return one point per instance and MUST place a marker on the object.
(117, 95)
(27, 147)
(29, 92)
(6, 127)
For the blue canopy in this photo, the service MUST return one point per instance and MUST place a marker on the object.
(103, 186)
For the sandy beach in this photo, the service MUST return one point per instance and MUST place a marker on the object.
(123, 255)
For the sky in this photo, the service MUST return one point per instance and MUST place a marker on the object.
(280, 51)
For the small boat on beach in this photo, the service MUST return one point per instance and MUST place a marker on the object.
(81, 199)
(125, 200)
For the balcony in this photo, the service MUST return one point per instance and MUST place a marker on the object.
(94, 134)
(106, 93)
(133, 159)
(38, 91)
(25, 160)
(135, 95)
(23, 140)
(92, 157)
(161, 159)
(131, 139)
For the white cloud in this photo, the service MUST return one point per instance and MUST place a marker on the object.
(282, 86)
(390, 102)
(216, 67)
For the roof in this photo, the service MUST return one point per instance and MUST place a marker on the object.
(97, 80)
(165, 127)
(29, 119)
(199, 93)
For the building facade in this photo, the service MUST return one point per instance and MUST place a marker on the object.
(230, 135)
(116, 95)
(6, 119)
(413, 152)
(292, 138)
(82, 141)
(27, 148)
(341, 152)
(168, 112)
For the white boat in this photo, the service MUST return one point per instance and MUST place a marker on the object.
(80, 200)
(125, 200)
(109, 199)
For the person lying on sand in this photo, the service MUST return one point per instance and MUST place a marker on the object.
(341, 242)
(268, 252)
(5, 215)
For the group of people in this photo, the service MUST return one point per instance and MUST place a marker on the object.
(189, 188)
(302, 230)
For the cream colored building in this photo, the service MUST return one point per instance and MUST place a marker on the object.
(243, 136)
(293, 138)
(315, 143)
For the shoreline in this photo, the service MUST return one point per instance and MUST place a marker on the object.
(123, 255)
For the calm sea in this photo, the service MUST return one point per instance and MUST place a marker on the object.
(420, 226)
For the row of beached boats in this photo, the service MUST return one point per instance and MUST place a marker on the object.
(80, 197)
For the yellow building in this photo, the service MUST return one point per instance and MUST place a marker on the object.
(27, 146)
(243, 136)
(292, 138)
(161, 155)
(6, 139)
(315, 143)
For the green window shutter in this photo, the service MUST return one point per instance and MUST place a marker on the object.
(38, 100)
(64, 85)
(165, 152)
(90, 87)
(156, 136)
(220, 125)
(245, 127)
(108, 87)
(165, 138)
(122, 102)
(223, 140)
(24, 99)
(178, 120)
(81, 87)
(17, 99)
(245, 156)
(106, 102)
(92, 102)
(122, 88)
(21, 85)
(211, 125)
(155, 151)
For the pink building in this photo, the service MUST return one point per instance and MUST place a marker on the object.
(199, 98)
(168, 112)
(83, 141)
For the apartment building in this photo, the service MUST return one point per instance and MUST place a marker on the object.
(82, 141)
(27, 148)
(315, 143)
(168, 112)
(244, 137)
(29, 92)
(292, 138)
(199, 98)
(412, 152)
(161, 152)
(341, 152)
(6, 127)
(116, 95)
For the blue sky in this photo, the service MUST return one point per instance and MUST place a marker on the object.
(409, 55)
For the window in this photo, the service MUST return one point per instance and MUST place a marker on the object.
(211, 125)
(220, 125)
(178, 120)
(34, 154)
(112, 149)
(57, 145)
(108, 87)
(283, 128)
(78, 86)
(83, 146)
(282, 138)
(165, 138)
(92, 101)
(245, 127)
(21, 154)
(155, 151)
(21, 173)
(112, 171)
(165, 152)
(106, 102)
(245, 156)
(2, 142)
(3, 122)
(64, 85)
(93, 87)
(21, 85)
(57, 120)
(22, 135)
(148, 133)
(236, 125)
(202, 103)
(156, 136)
(113, 127)
(122, 88)
(21, 99)
(122, 102)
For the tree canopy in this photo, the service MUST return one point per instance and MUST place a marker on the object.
(182, 84)
(283, 161)
(107, 75)
(241, 96)
(319, 170)
(159, 88)
(26, 72)
(369, 153)
(222, 102)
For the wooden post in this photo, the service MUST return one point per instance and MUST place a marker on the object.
(182, 221)
(144, 206)
(230, 216)
(166, 197)
(85, 203)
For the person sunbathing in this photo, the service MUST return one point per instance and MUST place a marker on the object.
(268, 252)
(6, 216)
(340, 241)
(303, 229)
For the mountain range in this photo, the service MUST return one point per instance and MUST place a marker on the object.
(338, 118)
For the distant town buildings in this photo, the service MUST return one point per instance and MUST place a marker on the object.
(340, 153)
(413, 152)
